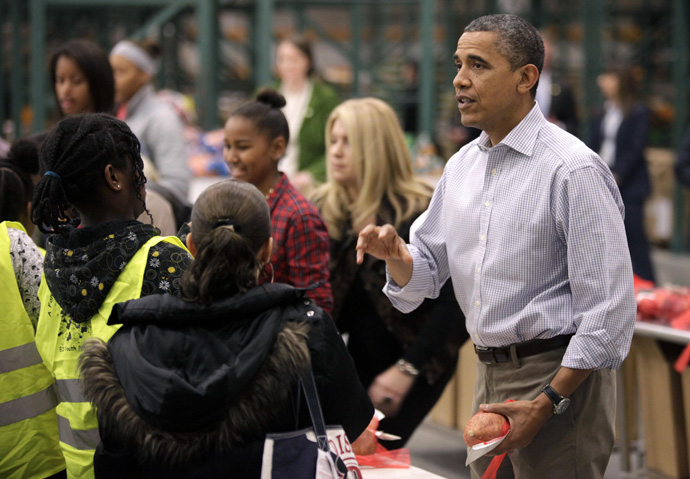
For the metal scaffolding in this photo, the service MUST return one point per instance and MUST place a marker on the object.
(431, 25)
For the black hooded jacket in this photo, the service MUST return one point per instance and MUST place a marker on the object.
(186, 390)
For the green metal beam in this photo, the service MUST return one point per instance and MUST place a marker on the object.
(427, 67)
(356, 27)
(309, 24)
(593, 21)
(207, 82)
(17, 80)
(263, 26)
(339, 4)
(38, 55)
(680, 24)
(107, 3)
(163, 16)
(3, 92)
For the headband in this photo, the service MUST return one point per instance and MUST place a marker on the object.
(137, 55)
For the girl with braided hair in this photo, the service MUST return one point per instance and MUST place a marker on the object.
(244, 347)
(92, 170)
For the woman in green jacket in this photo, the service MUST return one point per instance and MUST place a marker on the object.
(309, 103)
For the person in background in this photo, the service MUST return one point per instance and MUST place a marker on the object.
(555, 97)
(405, 361)
(83, 82)
(682, 166)
(111, 257)
(82, 79)
(157, 126)
(308, 104)
(256, 136)
(528, 223)
(244, 347)
(29, 446)
(23, 160)
(682, 170)
(410, 96)
(620, 135)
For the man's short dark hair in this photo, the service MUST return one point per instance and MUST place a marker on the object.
(518, 41)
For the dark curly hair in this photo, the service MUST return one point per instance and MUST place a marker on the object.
(75, 153)
(266, 115)
(15, 192)
(230, 223)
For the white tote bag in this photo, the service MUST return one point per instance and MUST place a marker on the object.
(318, 453)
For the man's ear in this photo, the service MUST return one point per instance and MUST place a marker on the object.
(529, 74)
(112, 177)
(190, 244)
(278, 146)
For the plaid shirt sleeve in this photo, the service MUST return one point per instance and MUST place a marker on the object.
(302, 260)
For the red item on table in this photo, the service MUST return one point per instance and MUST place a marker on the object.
(383, 458)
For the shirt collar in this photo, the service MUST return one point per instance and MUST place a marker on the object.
(521, 138)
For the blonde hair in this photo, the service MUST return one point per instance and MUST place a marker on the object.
(382, 164)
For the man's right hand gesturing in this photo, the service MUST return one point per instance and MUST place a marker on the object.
(383, 242)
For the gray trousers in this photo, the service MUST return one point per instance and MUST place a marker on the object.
(574, 445)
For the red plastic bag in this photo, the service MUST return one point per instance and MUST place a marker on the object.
(395, 459)
(383, 458)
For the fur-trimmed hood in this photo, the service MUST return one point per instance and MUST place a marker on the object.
(181, 381)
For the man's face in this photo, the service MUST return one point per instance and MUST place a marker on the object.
(485, 86)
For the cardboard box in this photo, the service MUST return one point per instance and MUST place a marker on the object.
(661, 410)
(467, 376)
(444, 412)
(454, 408)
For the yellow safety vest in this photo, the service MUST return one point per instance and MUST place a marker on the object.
(60, 341)
(28, 426)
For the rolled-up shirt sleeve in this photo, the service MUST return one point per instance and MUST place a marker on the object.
(589, 214)
(430, 268)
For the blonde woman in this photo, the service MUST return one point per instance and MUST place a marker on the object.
(405, 361)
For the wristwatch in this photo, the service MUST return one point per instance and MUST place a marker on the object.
(560, 404)
(407, 368)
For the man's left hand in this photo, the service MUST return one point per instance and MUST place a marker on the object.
(526, 419)
(389, 389)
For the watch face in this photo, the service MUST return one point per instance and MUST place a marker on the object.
(562, 406)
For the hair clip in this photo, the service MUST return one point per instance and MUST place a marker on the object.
(226, 222)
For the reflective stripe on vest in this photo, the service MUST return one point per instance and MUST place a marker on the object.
(19, 357)
(70, 390)
(29, 445)
(26, 407)
(77, 421)
(82, 439)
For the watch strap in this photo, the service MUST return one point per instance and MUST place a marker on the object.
(552, 394)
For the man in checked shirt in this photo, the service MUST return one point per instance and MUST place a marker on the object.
(528, 223)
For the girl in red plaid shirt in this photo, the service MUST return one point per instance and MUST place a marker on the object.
(256, 136)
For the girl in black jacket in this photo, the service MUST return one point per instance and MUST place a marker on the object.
(190, 387)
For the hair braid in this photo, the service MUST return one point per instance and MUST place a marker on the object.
(77, 150)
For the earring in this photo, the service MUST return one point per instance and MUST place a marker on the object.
(272, 271)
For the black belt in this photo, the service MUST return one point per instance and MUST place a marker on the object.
(522, 350)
